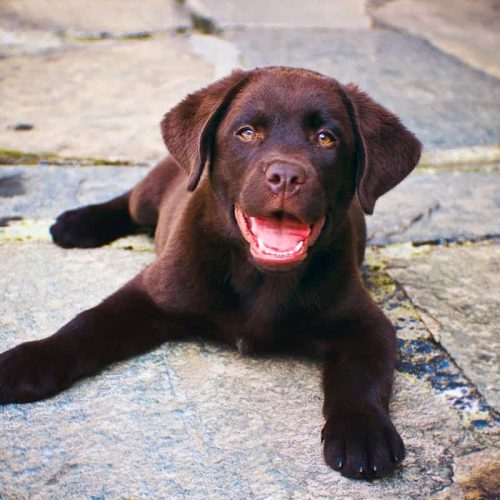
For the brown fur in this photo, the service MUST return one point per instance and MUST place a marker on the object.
(204, 279)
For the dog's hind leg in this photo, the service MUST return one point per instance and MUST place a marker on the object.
(95, 225)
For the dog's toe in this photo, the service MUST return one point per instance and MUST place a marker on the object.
(362, 447)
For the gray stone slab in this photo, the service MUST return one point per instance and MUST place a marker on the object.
(110, 16)
(187, 420)
(43, 192)
(445, 102)
(97, 99)
(320, 13)
(458, 292)
(468, 30)
(430, 206)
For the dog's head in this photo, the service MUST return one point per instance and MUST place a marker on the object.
(286, 150)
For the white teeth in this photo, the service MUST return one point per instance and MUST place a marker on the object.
(262, 246)
(298, 246)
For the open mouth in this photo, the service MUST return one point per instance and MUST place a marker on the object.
(279, 239)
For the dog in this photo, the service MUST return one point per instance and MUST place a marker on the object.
(260, 235)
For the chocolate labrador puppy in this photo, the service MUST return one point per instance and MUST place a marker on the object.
(260, 234)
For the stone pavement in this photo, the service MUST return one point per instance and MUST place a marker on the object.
(82, 91)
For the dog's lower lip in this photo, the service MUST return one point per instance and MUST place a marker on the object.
(298, 236)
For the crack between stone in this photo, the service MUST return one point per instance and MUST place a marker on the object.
(419, 309)
(456, 241)
(437, 349)
(79, 190)
(426, 213)
(387, 26)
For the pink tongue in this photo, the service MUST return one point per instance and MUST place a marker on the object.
(281, 235)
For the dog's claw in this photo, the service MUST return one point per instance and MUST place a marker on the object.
(358, 448)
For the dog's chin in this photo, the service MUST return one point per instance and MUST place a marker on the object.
(279, 242)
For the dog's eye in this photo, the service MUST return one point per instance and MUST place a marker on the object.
(325, 139)
(247, 133)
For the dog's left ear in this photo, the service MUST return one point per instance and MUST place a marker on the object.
(189, 128)
(386, 151)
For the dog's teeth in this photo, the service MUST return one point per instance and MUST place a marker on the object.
(299, 246)
(276, 253)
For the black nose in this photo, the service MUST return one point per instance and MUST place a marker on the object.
(285, 178)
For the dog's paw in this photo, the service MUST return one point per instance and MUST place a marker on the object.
(362, 446)
(85, 227)
(78, 228)
(28, 373)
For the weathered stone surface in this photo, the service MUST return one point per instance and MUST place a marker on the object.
(430, 206)
(217, 52)
(110, 16)
(16, 42)
(445, 102)
(483, 157)
(468, 30)
(320, 13)
(458, 293)
(418, 352)
(42, 192)
(193, 420)
(101, 99)
(476, 476)
(50, 279)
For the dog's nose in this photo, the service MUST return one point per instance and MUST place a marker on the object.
(285, 178)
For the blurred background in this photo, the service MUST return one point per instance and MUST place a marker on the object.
(82, 78)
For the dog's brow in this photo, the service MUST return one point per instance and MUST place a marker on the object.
(256, 118)
(316, 119)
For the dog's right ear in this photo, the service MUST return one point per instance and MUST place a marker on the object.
(189, 128)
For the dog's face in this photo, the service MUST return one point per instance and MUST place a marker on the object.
(284, 162)
(287, 150)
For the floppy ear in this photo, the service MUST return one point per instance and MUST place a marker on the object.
(386, 151)
(189, 128)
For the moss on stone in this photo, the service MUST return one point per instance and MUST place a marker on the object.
(466, 159)
(14, 157)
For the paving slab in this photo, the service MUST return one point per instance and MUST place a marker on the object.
(320, 13)
(430, 206)
(101, 99)
(444, 101)
(467, 30)
(195, 420)
(42, 192)
(113, 17)
(457, 291)
(427, 206)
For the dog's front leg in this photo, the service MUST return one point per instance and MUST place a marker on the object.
(359, 438)
(125, 324)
